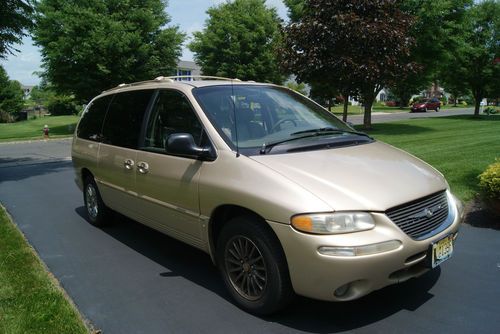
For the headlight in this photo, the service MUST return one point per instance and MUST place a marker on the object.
(333, 223)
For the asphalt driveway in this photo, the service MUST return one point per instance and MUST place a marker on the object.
(127, 278)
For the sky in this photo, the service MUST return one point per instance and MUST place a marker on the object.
(189, 15)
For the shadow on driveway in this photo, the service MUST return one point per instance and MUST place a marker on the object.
(304, 314)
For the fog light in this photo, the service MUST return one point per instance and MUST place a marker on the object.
(342, 291)
(349, 251)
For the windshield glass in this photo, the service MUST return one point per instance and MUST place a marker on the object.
(254, 116)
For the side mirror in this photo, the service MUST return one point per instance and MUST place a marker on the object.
(183, 144)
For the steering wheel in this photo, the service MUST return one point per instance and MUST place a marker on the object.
(281, 121)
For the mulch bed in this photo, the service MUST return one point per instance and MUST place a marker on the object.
(476, 214)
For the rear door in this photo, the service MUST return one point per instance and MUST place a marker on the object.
(118, 150)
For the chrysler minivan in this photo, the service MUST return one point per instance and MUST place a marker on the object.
(284, 197)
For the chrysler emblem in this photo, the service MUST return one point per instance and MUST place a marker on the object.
(427, 212)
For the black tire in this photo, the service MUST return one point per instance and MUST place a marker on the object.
(97, 212)
(260, 296)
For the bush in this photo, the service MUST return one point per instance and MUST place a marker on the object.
(62, 105)
(491, 110)
(6, 117)
(489, 181)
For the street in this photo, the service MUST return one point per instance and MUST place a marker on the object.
(381, 117)
(127, 278)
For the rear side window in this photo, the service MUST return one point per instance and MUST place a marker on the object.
(91, 124)
(123, 122)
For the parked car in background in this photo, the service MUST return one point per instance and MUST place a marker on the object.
(285, 197)
(423, 106)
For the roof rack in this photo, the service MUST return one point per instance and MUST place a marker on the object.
(172, 79)
(199, 77)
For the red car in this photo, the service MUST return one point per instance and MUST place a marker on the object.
(423, 106)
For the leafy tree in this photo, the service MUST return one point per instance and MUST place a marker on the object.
(364, 44)
(298, 87)
(295, 9)
(11, 95)
(15, 17)
(90, 46)
(238, 41)
(477, 46)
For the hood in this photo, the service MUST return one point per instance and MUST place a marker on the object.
(371, 177)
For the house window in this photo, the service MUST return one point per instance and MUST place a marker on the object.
(183, 72)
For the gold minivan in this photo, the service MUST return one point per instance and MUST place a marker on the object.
(284, 197)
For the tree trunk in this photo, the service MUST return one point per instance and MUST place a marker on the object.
(367, 120)
(346, 106)
(477, 106)
(477, 102)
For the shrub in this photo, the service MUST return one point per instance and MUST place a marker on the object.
(489, 181)
(6, 117)
(491, 110)
(62, 105)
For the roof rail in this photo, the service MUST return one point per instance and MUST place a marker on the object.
(171, 79)
(200, 77)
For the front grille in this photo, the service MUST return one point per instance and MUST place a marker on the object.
(420, 217)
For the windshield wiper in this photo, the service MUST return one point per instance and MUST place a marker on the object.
(266, 147)
(321, 131)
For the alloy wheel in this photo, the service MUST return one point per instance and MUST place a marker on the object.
(245, 267)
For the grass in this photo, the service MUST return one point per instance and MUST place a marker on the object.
(460, 147)
(60, 126)
(30, 299)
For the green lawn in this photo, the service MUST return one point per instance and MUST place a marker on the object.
(30, 299)
(459, 146)
(60, 126)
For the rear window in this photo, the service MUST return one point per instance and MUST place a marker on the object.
(91, 124)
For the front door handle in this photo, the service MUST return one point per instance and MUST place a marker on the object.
(128, 164)
(142, 167)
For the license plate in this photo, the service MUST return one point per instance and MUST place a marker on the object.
(441, 250)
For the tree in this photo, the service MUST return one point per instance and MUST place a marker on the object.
(359, 43)
(238, 41)
(298, 87)
(15, 17)
(11, 96)
(473, 60)
(295, 9)
(90, 46)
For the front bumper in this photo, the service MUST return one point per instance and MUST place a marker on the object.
(318, 276)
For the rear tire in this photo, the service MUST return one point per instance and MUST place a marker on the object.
(253, 266)
(97, 212)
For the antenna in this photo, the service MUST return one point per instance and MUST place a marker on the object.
(235, 120)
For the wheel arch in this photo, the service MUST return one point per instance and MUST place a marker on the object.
(223, 214)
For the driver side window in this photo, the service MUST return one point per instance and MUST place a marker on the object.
(171, 114)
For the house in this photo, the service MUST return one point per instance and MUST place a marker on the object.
(27, 90)
(185, 67)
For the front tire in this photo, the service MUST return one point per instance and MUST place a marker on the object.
(253, 266)
(97, 212)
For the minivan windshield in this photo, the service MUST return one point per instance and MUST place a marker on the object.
(258, 117)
